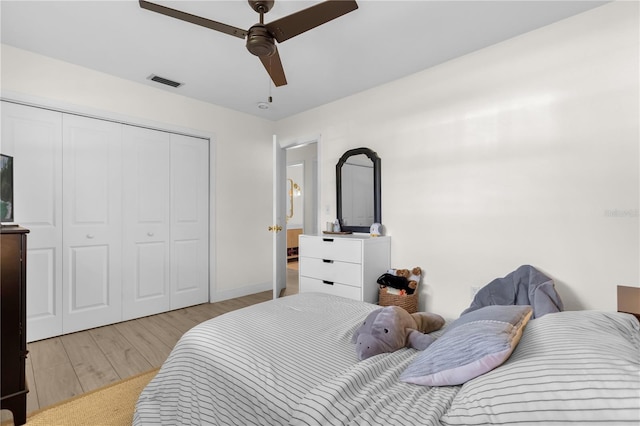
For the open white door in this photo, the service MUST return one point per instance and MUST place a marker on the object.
(278, 225)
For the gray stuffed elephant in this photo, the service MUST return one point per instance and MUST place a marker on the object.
(391, 328)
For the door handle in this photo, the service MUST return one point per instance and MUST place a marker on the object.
(90, 236)
(327, 282)
(275, 228)
(327, 261)
(150, 234)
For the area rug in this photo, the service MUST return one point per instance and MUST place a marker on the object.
(111, 405)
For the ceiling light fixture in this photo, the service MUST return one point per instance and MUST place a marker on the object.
(266, 105)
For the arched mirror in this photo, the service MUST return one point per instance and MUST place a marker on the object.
(358, 190)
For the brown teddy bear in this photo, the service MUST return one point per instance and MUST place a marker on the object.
(412, 276)
(400, 281)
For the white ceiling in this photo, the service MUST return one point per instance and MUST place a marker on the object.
(380, 42)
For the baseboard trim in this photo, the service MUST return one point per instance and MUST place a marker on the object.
(219, 296)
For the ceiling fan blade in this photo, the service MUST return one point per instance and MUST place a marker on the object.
(273, 65)
(198, 20)
(292, 25)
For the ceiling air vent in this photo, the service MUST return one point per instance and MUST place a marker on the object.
(163, 80)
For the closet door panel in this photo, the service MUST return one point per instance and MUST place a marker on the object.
(146, 237)
(33, 136)
(189, 221)
(151, 278)
(89, 277)
(44, 304)
(92, 180)
(186, 253)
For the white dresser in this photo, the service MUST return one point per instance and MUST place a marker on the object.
(344, 265)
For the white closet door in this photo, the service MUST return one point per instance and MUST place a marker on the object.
(189, 221)
(33, 137)
(92, 182)
(146, 246)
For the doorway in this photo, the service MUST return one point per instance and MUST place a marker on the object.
(301, 205)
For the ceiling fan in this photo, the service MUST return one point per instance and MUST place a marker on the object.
(260, 37)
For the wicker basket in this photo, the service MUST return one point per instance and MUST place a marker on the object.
(407, 301)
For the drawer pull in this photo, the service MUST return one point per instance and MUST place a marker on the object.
(327, 260)
(328, 240)
(327, 282)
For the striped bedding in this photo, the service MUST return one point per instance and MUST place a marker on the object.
(290, 362)
(575, 366)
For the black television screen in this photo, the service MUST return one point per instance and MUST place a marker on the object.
(6, 188)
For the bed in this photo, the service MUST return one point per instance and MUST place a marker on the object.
(290, 361)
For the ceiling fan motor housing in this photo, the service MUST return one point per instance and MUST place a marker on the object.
(260, 41)
(261, 6)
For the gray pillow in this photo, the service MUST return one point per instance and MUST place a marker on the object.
(472, 345)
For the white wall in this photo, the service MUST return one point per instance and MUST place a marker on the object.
(241, 185)
(526, 152)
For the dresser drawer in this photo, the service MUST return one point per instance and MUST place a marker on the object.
(314, 285)
(342, 249)
(332, 270)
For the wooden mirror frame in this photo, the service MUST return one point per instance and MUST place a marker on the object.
(377, 188)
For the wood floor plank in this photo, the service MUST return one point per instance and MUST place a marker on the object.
(89, 362)
(32, 396)
(252, 299)
(206, 311)
(179, 319)
(56, 384)
(47, 353)
(234, 304)
(213, 310)
(202, 313)
(168, 334)
(148, 345)
(124, 358)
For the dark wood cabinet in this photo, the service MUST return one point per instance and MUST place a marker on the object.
(13, 325)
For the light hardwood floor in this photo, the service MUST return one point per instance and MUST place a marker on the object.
(63, 367)
(66, 366)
